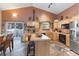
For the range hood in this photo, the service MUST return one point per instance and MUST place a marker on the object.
(33, 18)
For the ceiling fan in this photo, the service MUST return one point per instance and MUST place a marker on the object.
(50, 5)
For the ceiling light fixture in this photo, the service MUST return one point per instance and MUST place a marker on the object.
(14, 15)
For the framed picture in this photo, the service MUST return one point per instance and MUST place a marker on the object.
(45, 25)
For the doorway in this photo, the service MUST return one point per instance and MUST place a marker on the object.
(17, 28)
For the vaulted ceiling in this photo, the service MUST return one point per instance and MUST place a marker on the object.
(55, 8)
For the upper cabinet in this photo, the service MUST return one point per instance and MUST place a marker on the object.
(55, 24)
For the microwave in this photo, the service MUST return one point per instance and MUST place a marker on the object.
(65, 26)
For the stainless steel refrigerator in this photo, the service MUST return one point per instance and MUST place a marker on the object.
(74, 36)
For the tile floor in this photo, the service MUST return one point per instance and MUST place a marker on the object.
(56, 49)
(59, 49)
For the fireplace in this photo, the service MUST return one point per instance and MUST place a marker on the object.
(62, 38)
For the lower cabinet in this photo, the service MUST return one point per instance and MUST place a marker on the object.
(55, 36)
(68, 40)
(42, 48)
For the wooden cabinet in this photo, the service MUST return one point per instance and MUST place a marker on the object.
(55, 24)
(37, 29)
(50, 35)
(55, 36)
(42, 48)
(31, 29)
(25, 38)
(68, 40)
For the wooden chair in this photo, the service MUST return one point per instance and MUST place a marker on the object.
(2, 47)
(7, 43)
(11, 40)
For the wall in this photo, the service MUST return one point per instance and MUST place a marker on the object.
(23, 15)
(0, 21)
(70, 12)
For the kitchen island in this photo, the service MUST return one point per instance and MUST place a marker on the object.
(42, 45)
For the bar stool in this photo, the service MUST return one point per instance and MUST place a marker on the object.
(31, 48)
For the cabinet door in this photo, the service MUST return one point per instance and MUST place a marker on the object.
(55, 36)
(42, 48)
(68, 40)
(50, 35)
(55, 25)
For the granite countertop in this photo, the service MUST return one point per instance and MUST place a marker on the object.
(44, 37)
(34, 37)
(60, 32)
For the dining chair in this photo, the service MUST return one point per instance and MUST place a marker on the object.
(2, 48)
(7, 43)
(11, 40)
